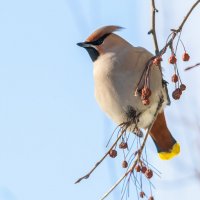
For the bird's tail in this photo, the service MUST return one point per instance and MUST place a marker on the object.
(166, 145)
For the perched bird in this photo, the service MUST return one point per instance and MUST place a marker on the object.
(118, 67)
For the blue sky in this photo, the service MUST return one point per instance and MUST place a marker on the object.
(51, 128)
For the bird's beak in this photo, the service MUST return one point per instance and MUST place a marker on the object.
(84, 44)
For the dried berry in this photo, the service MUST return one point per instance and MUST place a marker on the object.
(146, 92)
(124, 164)
(137, 168)
(145, 102)
(182, 87)
(151, 198)
(143, 169)
(149, 173)
(156, 61)
(179, 91)
(113, 153)
(185, 56)
(143, 97)
(174, 78)
(123, 145)
(176, 94)
(142, 194)
(172, 59)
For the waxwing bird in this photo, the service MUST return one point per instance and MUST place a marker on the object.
(118, 66)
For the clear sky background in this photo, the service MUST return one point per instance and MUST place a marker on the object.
(51, 129)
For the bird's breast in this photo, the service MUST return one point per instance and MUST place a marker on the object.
(115, 84)
(114, 88)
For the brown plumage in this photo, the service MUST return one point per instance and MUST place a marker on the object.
(161, 134)
(102, 31)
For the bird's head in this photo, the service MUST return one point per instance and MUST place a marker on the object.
(101, 41)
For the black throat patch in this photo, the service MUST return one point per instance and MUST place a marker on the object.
(94, 54)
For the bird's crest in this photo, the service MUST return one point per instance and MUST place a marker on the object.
(102, 31)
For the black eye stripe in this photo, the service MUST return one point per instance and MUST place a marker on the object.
(100, 40)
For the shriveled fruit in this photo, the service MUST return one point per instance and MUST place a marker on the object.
(143, 169)
(146, 92)
(146, 102)
(149, 173)
(176, 94)
(142, 194)
(156, 61)
(185, 56)
(172, 59)
(113, 153)
(123, 145)
(137, 168)
(183, 87)
(124, 164)
(174, 78)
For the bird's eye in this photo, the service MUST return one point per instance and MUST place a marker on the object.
(100, 40)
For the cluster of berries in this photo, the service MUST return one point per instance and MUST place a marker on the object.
(179, 86)
(146, 93)
(140, 168)
(113, 152)
(148, 173)
(143, 169)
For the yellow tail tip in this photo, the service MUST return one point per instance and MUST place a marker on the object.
(169, 155)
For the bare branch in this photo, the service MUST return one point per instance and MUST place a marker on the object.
(124, 127)
(186, 17)
(153, 26)
(191, 67)
(176, 31)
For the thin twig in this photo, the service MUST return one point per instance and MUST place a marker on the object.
(101, 160)
(153, 26)
(191, 67)
(139, 152)
(186, 17)
(176, 31)
(112, 135)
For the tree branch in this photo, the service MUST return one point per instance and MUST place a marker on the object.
(123, 127)
(191, 67)
(186, 17)
(153, 26)
(176, 31)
